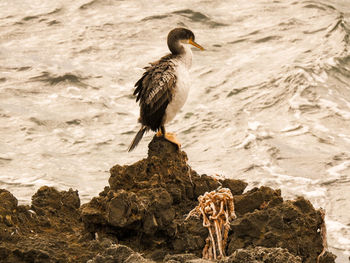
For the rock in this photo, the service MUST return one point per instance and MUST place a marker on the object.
(256, 199)
(119, 253)
(140, 218)
(53, 206)
(123, 209)
(180, 258)
(12, 217)
(18, 255)
(328, 258)
(7, 201)
(47, 231)
(150, 199)
(48, 198)
(262, 255)
(236, 186)
(292, 224)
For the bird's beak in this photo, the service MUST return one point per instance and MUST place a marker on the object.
(190, 41)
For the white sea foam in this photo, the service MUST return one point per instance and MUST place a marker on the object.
(291, 128)
(344, 136)
(320, 127)
(254, 125)
(302, 130)
(335, 170)
(72, 89)
(251, 137)
(334, 227)
(335, 108)
(296, 101)
(53, 96)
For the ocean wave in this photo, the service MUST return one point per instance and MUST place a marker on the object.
(54, 79)
(41, 16)
(91, 4)
(191, 15)
(198, 17)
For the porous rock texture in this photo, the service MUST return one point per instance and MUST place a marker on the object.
(140, 217)
(47, 231)
(146, 203)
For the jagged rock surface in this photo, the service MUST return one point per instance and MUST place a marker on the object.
(290, 224)
(119, 253)
(47, 231)
(147, 202)
(140, 217)
(262, 255)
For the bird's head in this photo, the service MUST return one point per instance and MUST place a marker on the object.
(179, 36)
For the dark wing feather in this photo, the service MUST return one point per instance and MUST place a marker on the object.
(154, 90)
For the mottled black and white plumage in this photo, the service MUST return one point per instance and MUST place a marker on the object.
(164, 86)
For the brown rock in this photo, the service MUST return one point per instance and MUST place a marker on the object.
(292, 224)
(123, 209)
(48, 231)
(141, 215)
(257, 198)
(7, 200)
(262, 255)
(151, 198)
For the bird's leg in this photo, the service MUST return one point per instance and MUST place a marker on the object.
(162, 130)
(168, 136)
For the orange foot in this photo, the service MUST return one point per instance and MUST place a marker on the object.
(159, 133)
(169, 137)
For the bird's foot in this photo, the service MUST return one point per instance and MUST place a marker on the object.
(159, 133)
(171, 138)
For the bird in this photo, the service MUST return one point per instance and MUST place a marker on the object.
(163, 88)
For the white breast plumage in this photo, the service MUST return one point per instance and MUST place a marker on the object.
(183, 83)
(180, 94)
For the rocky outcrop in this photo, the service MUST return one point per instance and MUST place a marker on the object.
(120, 253)
(140, 217)
(147, 202)
(50, 230)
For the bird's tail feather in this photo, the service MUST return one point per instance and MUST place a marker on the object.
(137, 138)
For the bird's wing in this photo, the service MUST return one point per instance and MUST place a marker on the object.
(154, 91)
(156, 86)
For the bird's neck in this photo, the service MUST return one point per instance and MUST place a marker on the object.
(185, 56)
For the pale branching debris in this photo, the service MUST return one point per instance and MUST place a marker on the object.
(217, 209)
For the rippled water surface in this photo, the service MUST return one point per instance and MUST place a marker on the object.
(269, 103)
